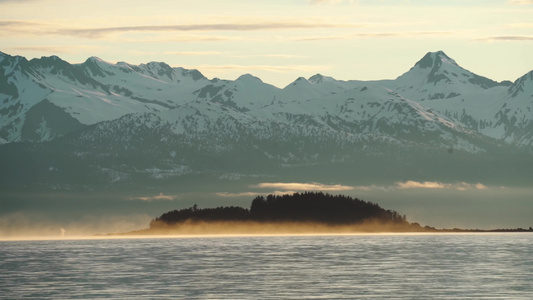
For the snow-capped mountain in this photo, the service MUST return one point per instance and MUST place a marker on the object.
(436, 76)
(497, 110)
(45, 98)
(244, 94)
(514, 118)
(315, 87)
(118, 123)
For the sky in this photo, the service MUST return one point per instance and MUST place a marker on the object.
(277, 40)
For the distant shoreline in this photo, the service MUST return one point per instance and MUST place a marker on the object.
(132, 235)
(305, 213)
(206, 228)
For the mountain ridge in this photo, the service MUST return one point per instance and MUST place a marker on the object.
(122, 121)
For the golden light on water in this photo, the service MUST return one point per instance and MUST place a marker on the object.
(244, 235)
(216, 229)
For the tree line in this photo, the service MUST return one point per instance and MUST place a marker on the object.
(298, 207)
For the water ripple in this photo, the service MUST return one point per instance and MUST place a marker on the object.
(471, 266)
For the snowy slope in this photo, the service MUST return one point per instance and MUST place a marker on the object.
(314, 87)
(90, 92)
(244, 94)
(152, 83)
(18, 93)
(515, 117)
(436, 76)
(45, 98)
(123, 123)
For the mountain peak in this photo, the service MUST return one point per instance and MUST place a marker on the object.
(435, 60)
(248, 77)
(94, 59)
(54, 62)
(158, 64)
(93, 64)
(193, 73)
(437, 76)
(437, 67)
(318, 78)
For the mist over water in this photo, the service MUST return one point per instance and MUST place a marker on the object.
(36, 226)
(45, 214)
(270, 228)
(490, 208)
(383, 266)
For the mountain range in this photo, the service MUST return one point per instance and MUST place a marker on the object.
(97, 124)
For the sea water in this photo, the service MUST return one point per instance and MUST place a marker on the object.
(374, 266)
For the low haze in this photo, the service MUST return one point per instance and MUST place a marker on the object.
(457, 205)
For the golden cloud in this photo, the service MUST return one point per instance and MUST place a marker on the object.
(295, 186)
(232, 195)
(461, 186)
(161, 196)
(252, 194)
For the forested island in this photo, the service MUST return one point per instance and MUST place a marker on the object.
(299, 213)
(310, 212)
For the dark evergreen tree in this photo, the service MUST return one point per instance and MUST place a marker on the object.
(298, 207)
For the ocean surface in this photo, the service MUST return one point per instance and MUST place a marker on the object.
(406, 266)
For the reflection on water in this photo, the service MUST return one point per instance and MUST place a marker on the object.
(439, 266)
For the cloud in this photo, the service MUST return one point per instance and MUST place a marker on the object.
(16, 25)
(331, 1)
(194, 53)
(244, 26)
(322, 38)
(268, 68)
(284, 188)
(420, 185)
(182, 38)
(295, 186)
(520, 2)
(289, 56)
(369, 188)
(480, 186)
(262, 67)
(461, 186)
(18, 28)
(16, 1)
(255, 194)
(161, 196)
(506, 38)
(6, 23)
(373, 35)
(233, 195)
(55, 49)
